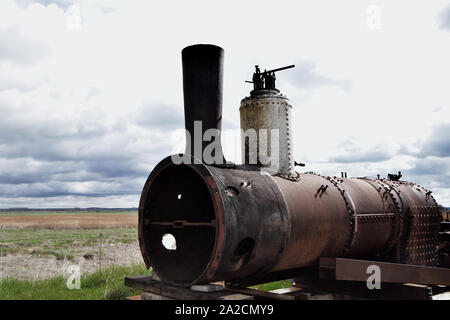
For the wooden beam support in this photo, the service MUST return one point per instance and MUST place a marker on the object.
(357, 270)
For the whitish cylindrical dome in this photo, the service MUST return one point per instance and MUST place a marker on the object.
(266, 138)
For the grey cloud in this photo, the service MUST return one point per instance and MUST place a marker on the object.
(167, 117)
(70, 201)
(443, 18)
(41, 156)
(55, 178)
(19, 85)
(92, 92)
(56, 189)
(57, 148)
(160, 115)
(438, 143)
(107, 10)
(227, 124)
(18, 49)
(116, 169)
(431, 166)
(363, 156)
(438, 108)
(430, 162)
(23, 127)
(63, 4)
(304, 75)
(430, 171)
(27, 170)
(352, 153)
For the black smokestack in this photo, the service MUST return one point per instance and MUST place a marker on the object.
(202, 88)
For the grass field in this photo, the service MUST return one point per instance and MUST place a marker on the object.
(65, 212)
(103, 284)
(40, 241)
(29, 254)
(36, 248)
(107, 283)
(70, 220)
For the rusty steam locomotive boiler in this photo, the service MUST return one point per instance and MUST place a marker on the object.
(241, 223)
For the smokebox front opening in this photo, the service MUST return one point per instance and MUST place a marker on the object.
(179, 224)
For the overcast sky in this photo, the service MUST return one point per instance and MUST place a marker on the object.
(91, 91)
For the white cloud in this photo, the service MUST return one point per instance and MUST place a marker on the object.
(64, 4)
(18, 49)
(93, 109)
(444, 18)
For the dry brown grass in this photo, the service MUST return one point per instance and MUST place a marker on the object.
(72, 221)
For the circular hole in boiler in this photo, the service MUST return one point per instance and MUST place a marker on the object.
(179, 196)
(244, 247)
(231, 191)
(169, 242)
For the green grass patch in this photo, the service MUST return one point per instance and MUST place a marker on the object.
(107, 283)
(273, 285)
(58, 240)
(104, 284)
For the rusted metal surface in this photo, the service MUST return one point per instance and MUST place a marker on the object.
(420, 225)
(241, 223)
(198, 245)
(356, 270)
(244, 223)
(444, 240)
(251, 224)
(358, 290)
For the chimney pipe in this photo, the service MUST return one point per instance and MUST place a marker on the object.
(202, 89)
